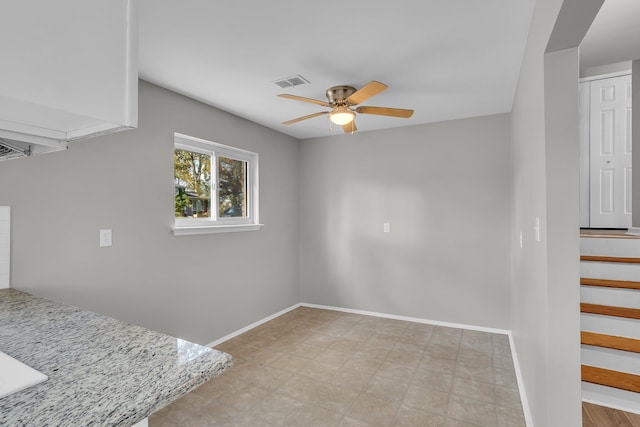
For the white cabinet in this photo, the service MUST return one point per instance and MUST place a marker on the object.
(69, 69)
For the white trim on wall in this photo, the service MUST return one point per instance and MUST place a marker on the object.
(251, 326)
(514, 355)
(605, 76)
(409, 319)
(5, 247)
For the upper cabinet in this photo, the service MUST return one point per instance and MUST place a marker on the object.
(69, 69)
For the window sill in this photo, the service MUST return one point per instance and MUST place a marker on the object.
(212, 229)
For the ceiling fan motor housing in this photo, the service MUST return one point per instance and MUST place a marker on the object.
(338, 94)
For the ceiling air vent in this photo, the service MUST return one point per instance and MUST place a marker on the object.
(9, 150)
(291, 81)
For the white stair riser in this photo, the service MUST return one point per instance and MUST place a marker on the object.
(610, 271)
(616, 326)
(610, 296)
(611, 397)
(610, 247)
(614, 360)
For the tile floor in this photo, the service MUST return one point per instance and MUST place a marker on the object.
(312, 367)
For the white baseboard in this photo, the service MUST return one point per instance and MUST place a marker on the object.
(516, 364)
(251, 326)
(523, 393)
(634, 231)
(622, 400)
(409, 319)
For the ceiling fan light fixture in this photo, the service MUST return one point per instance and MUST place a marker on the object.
(342, 116)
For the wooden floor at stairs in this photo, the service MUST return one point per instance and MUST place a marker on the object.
(600, 416)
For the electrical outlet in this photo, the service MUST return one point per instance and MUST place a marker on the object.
(105, 238)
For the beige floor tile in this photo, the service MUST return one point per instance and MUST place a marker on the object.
(267, 377)
(426, 378)
(251, 421)
(442, 351)
(426, 399)
(314, 367)
(311, 415)
(386, 388)
(334, 357)
(396, 371)
(473, 389)
(410, 417)
(277, 408)
(405, 356)
(352, 378)
(435, 363)
(334, 398)
(503, 362)
(289, 362)
(507, 397)
(352, 422)
(457, 423)
(472, 411)
(299, 387)
(378, 351)
(506, 378)
(510, 417)
(244, 398)
(472, 357)
(363, 363)
(474, 372)
(374, 410)
(318, 370)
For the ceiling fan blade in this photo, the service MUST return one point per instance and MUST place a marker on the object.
(384, 111)
(303, 99)
(367, 91)
(310, 116)
(350, 127)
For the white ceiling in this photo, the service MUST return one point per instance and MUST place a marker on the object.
(446, 59)
(614, 35)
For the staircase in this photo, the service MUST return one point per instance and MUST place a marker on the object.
(610, 320)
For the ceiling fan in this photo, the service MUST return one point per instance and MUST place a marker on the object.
(343, 99)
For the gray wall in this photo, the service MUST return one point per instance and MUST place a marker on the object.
(445, 190)
(544, 134)
(196, 287)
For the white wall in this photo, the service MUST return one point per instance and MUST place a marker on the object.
(196, 287)
(445, 190)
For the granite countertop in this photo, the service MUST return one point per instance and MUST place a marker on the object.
(102, 372)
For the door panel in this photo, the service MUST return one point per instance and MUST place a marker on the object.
(610, 153)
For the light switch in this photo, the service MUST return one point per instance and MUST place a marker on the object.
(105, 238)
(386, 227)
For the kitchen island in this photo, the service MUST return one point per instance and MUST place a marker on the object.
(102, 372)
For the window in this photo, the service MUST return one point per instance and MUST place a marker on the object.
(216, 187)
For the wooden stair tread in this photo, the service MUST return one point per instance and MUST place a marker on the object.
(610, 341)
(609, 378)
(608, 310)
(598, 258)
(622, 284)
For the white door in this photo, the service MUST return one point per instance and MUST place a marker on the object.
(610, 153)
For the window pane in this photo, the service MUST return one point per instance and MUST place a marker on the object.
(192, 173)
(232, 188)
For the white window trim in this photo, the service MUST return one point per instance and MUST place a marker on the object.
(190, 226)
